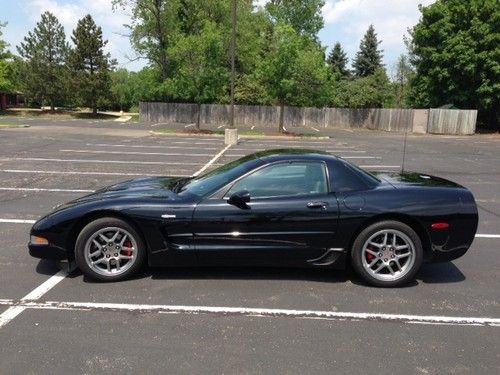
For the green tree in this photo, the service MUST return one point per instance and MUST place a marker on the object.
(199, 67)
(456, 50)
(304, 16)
(369, 58)
(121, 89)
(44, 52)
(403, 75)
(294, 71)
(4, 53)
(154, 24)
(144, 86)
(337, 60)
(89, 63)
(5, 71)
(373, 91)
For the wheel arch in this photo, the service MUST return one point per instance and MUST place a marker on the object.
(403, 218)
(94, 215)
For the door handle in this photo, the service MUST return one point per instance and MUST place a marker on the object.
(322, 205)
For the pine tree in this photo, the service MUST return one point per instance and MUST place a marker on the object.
(369, 58)
(89, 63)
(44, 52)
(402, 79)
(337, 60)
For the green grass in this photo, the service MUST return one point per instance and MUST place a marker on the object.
(90, 115)
(57, 115)
(241, 133)
(12, 125)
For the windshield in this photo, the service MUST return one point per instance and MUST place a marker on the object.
(214, 180)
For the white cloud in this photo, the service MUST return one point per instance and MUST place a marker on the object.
(347, 21)
(391, 18)
(260, 3)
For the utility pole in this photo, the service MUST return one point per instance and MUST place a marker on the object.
(233, 51)
(231, 134)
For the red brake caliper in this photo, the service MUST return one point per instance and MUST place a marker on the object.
(369, 257)
(129, 245)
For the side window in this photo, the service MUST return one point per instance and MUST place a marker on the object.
(343, 179)
(284, 179)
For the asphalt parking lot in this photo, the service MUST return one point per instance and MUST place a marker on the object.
(180, 320)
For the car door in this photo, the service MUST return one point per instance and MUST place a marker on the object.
(291, 218)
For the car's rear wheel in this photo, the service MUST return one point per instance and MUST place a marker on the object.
(387, 254)
(109, 249)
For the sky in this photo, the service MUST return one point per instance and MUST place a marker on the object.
(345, 21)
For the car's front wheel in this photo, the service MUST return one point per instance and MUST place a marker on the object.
(387, 254)
(109, 249)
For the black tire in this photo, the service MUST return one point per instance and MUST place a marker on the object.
(387, 225)
(95, 226)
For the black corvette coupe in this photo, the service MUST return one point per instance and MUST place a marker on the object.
(293, 208)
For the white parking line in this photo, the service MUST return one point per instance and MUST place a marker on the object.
(252, 312)
(380, 166)
(78, 173)
(133, 153)
(197, 142)
(212, 161)
(146, 146)
(99, 161)
(17, 221)
(487, 235)
(332, 151)
(42, 189)
(287, 141)
(361, 157)
(35, 294)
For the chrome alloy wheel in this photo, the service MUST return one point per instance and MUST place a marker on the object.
(388, 255)
(110, 251)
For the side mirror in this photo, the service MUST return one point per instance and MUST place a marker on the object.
(240, 198)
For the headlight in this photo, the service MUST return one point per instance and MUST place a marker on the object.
(37, 240)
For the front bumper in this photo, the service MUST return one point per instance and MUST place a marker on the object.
(47, 252)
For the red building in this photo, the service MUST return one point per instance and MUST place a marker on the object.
(11, 100)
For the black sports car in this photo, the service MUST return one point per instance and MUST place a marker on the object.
(293, 208)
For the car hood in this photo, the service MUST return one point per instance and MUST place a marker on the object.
(408, 179)
(150, 187)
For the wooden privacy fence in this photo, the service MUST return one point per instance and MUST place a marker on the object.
(438, 121)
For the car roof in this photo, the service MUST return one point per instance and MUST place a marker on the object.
(269, 156)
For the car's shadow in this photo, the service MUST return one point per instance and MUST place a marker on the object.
(47, 267)
(251, 273)
(439, 273)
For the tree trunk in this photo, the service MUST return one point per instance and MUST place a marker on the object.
(94, 109)
(52, 106)
(282, 115)
(198, 119)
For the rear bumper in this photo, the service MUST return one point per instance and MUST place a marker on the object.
(446, 256)
(47, 252)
